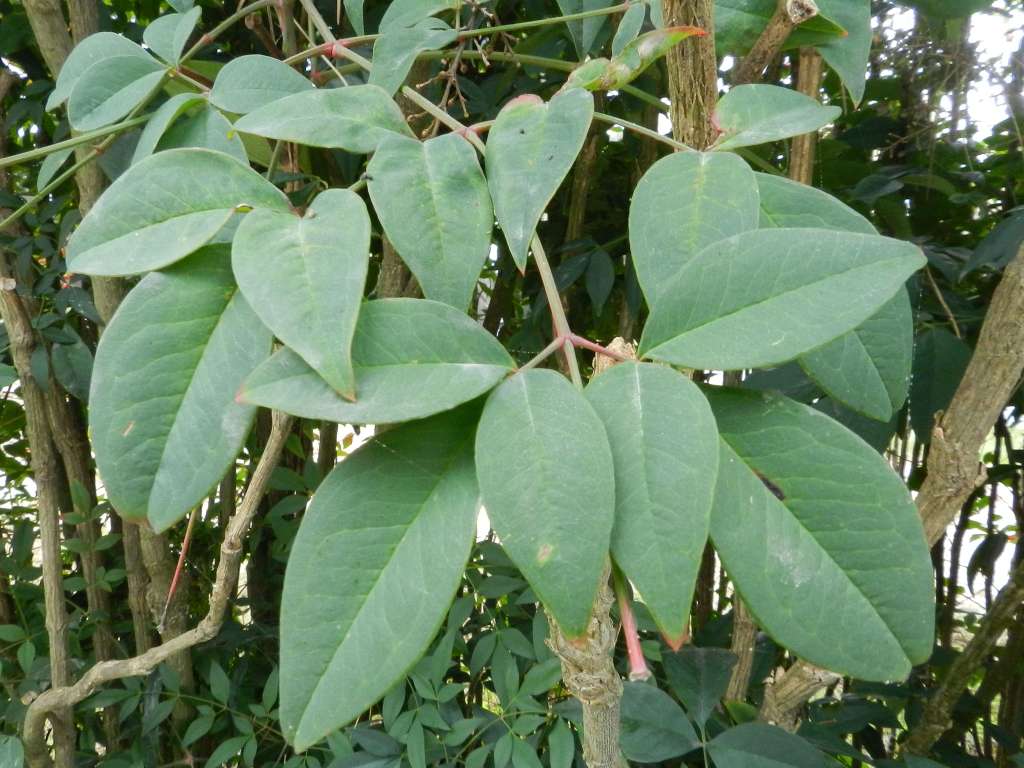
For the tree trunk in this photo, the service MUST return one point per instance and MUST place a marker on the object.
(692, 73)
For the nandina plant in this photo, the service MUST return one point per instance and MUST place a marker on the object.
(253, 294)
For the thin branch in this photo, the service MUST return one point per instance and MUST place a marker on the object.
(34, 737)
(788, 14)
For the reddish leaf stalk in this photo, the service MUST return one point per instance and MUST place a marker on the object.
(178, 569)
(637, 663)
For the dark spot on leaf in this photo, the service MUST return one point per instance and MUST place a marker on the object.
(771, 486)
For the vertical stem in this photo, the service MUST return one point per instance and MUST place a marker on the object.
(808, 82)
(561, 323)
(692, 73)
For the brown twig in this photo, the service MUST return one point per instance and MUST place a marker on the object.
(788, 14)
(61, 697)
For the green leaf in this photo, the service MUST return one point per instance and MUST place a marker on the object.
(738, 24)
(756, 114)
(168, 366)
(163, 209)
(848, 55)
(109, 89)
(250, 82)
(50, 165)
(12, 755)
(412, 357)
(167, 36)
(524, 755)
(665, 450)
(940, 360)
(530, 149)
(634, 58)
(764, 297)
(225, 751)
(947, 9)
(685, 202)
(355, 118)
(545, 471)
(433, 203)
(379, 556)
(354, 12)
(868, 369)
(786, 203)
(304, 277)
(584, 32)
(8, 375)
(406, 13)
(700, 677)
(629, 27)
(810, 521)
(220, 683)
(207, 129)
(653, 727)
(759, 745)
(161, 120)
(395, 51)
(94, 48)
(11, 633)
(561, 746)
(72, 366)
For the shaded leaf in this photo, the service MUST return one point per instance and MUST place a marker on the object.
(940, 360)
(395, 51)
(161, 120)
(700, 677)
(167, 36)
(584, 32)
(109, 89)
(759, 745)
(207, 129)
(653, 727)
(94, 48)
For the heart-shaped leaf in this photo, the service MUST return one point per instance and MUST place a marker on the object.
(665, 450)
(382, 546)
(759, 745)
(756, 114)
(167, 367)
(786, 203)
(305, 276)
(433, 203)
(530, 149)
(764, 297)
(684, 202)
(546, 474)
(250, 82)
(412, 357)
(167, 36)
(355, 118)
(164, 208)
(396, 49)
(810, 521)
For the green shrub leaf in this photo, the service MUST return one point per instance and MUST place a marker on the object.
(764, 297)
(304, 277)
(250, 82)
(686, 201)
(163, 209)
(167, 367)
(756, 114)
(759, 745)
(167, 36)
(546, 478)
(530, 149)
(94, 48)
(109, 89)
(373, 569)
(412, 358)
(810, 522)
(665, 450)
(433, 203)
(355, 118)
(396, 49)
(654, 727)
